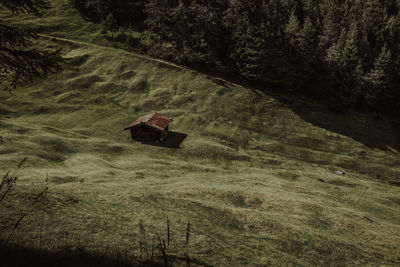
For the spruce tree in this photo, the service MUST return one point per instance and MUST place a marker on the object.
(392, 32)
(308, 37)
(157, 12)
(331, 19)
(25, 6)
(380, 76)
(248, 39)
(334, 55)
(109, 24)
(181, 20)
(19, 61)
(198, 20)
(293, 30)
(352, 49)
(250, 54)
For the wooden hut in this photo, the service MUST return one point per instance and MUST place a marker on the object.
(150, 128)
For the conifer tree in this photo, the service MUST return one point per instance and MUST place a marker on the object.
(25, 6)
(248, 40)
(198, 22)
(110, 24)
(181, 30)
(334, 55)
(250, 53)
(308, 37)
(351, 50)
(210, 16)
(157, 12)
(332, 28)
(308, 52)
(292, 30)
(380, 75)
(19, 61)
(392, 32)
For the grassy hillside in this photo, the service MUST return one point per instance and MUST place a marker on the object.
(261, 181)
(256, 180)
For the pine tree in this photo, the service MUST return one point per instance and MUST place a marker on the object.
(248, 39)
(109, 24)
(19, 61)
(334, 55)
(379, 76)
(293, 30)
(331, 20)
(392, 32)
(25, 6)
(217, 40)
(157, 12)
(351, 50)
(308, 53)
(308, 37)
(374, 19)
(181, 20)
(197, 41)
(250, 54)
(343, 61)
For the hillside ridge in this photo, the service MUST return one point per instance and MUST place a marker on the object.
(166, 63)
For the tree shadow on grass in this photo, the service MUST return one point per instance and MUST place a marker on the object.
(13, 255)
(373, 130)
(18, 256)
(173, 140)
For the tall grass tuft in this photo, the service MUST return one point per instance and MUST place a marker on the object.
(9, 180)
(168, 231)
(168, 255)
(188, 228)
(7, 185)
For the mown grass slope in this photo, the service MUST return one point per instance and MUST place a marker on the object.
(262, 182)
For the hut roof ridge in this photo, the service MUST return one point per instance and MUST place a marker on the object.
(154, 120)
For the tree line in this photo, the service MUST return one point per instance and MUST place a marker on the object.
(343, 51)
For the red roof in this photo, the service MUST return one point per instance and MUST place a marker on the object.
(154, 120)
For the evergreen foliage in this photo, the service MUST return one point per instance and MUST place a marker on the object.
(109, 24)
(157, 21)
(347, 51)
(19, 62)
(379, 78)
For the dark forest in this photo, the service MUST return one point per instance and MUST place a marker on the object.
(343, 52)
